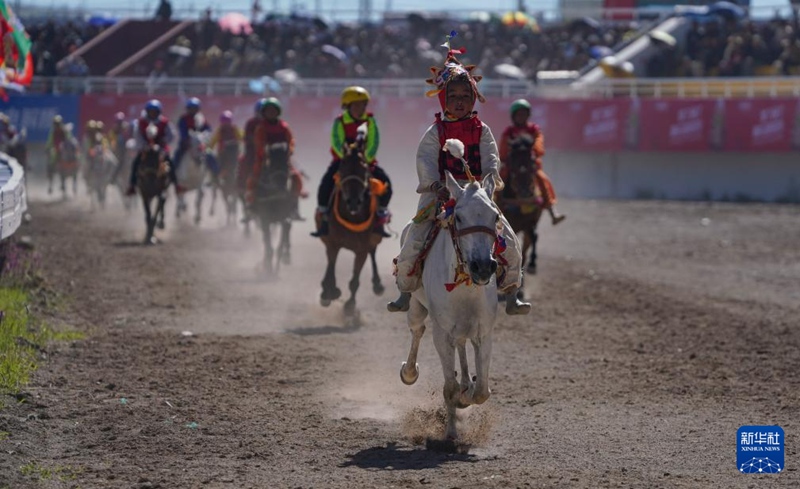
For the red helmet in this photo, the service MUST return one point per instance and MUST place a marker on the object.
(226, 117)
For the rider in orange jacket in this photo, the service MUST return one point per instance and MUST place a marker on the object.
(520, 130)
(271, 130)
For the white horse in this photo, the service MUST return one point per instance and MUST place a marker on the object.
(193, 170)
(459, 292)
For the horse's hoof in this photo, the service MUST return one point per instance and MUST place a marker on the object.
(409, 378)
(531, 269)
(324, 302)
(349, 307)
(161, 225)
(378, 289)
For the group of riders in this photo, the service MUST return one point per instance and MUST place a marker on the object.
(456, 88)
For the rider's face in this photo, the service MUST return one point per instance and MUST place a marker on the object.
(270, 113)
(357, 109)
(460, 99)
(192, 110)
(153, 113)
(520, 117)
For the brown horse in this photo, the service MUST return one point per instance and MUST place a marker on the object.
(273, 206)
(153, 181)
(66, 165)
(350, 227)
(228, 157)
(520, 200)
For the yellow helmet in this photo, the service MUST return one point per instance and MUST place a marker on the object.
(354, 94)
(57, 119)
(92, 124)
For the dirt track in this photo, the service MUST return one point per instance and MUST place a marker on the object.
(656, 334)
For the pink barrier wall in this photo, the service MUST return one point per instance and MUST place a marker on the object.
(656, 125)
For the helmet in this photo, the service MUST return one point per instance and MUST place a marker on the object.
(119, 116)
(354, 94)
(272, 102)
(520, 104)
(259, 105)
(153, 105)
(99, 125)
(226, 116)
(92, 124)
(193, 103)
(58, 119)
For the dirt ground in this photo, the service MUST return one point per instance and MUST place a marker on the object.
(658, 329)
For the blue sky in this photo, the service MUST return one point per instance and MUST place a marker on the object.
(341, 6)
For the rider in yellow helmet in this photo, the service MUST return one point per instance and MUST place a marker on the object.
(345, 130)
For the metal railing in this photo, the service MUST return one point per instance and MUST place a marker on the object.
(413, 87)
(241, 86)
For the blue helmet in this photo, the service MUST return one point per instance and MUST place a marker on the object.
(193, 103)
(153, 105)
(260, 105)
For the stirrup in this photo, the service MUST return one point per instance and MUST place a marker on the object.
(515, 307)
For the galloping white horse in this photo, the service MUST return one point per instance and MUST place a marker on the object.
(192, 171)
(459, 292)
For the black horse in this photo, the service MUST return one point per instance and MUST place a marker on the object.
(153, 181)
(274, 204)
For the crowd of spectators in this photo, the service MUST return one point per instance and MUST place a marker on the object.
(54, 44)
(731, 47)
(408, 46)
(402, 48)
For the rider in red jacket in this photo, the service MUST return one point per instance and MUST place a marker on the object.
(164, 136)
(520, 130)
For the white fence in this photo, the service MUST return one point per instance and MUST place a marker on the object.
(787, 86)
(13, 198)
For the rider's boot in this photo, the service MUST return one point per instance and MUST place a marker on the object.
(322, 222)
(555, 216)
(514, 306)
(382, 217)
(400, 304)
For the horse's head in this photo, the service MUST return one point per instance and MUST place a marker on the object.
(520, 167)
(354, 174)
(476, 220)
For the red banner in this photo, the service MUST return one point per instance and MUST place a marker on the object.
(664, 125)
(760, 124)
(677, 125)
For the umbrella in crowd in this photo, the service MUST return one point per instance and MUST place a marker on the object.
(287, 75)
(663, 38)
(510, 71)
(728, 10)
(334, 51)
(235, 23)
(520, 20)
(598, 52)
(260, 85)
(102, 20)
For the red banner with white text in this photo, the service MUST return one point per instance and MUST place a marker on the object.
(588, 125)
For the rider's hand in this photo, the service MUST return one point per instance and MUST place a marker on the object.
(442, 193)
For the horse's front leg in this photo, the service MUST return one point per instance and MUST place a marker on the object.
(467, 385)
(377, 286)
(329, 290)
(213, 199)
(198, 205)
(266, 232)
(148, 220)
(355, 282)
(447, 355)
(483, 356)
(409, 372)
(159, 217)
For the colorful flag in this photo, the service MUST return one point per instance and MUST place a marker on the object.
(16, 62)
